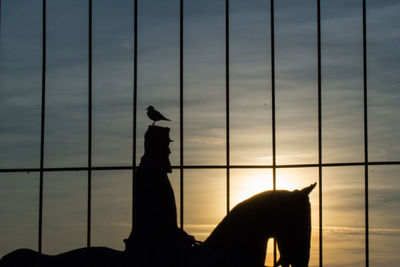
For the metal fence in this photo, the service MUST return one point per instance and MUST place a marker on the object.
(228, 166)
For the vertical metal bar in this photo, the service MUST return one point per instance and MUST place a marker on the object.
(89, 200)
(181, 148)
(135, 54)
(42, 125)
(273, 94)
(1, 18)
(319, 129)
(273, 105)
(181, 109)
(365, 81)
(227, 105)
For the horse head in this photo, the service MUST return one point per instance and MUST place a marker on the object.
(293, 228)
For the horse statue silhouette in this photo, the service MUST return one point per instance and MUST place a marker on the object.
(239, 240)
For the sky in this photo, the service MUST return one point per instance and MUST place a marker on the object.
(204, 115)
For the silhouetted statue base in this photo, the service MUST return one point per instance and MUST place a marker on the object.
(240, 240)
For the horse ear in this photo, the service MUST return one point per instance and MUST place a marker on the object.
(307, 190)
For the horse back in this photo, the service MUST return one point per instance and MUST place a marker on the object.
(21, 257)
(82, 257)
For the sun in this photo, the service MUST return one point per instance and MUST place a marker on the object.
(247, 183)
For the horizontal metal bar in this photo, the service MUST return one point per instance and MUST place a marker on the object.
(60, 169)
(115, 168)
(311, 165)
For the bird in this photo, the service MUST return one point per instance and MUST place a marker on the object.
(155, 115)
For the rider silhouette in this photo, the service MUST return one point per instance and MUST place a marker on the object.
(155, 238)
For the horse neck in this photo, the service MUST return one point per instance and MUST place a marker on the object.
(245, 222)
(231, 247)
(241, 236)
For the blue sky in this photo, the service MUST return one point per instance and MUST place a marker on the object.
(204, 117)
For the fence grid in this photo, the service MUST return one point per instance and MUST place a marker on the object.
(89, 168)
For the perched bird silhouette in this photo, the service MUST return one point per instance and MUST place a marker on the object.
(155, 115)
